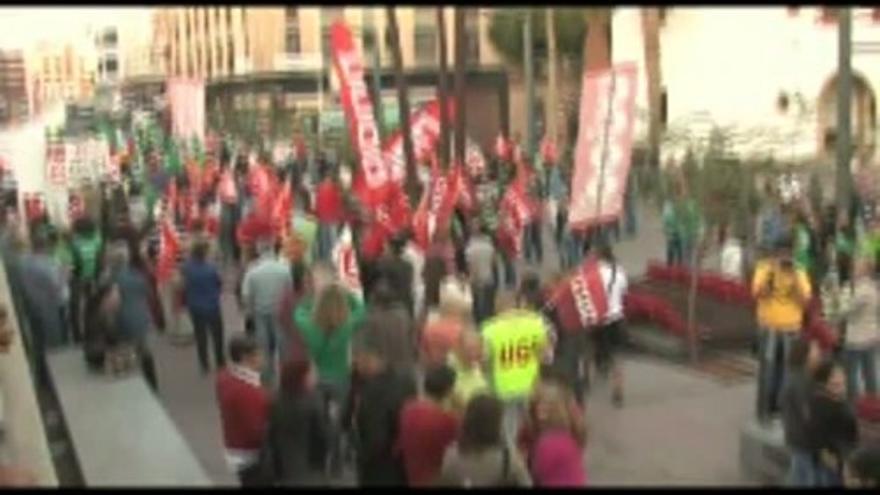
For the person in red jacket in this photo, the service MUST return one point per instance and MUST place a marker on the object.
(244, 408)
(329, 210)
(427, 428)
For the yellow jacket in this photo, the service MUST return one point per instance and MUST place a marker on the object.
(780, 310)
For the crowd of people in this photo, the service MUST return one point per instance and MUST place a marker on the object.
(439, 366)
(819, 268)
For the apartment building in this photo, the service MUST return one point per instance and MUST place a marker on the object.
(60, 73)
(14, 105)
(275, 61)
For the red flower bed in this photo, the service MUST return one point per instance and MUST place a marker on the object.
(641, 306)
(710, 284)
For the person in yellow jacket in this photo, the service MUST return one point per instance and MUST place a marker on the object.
(517, 342)
(782, 290)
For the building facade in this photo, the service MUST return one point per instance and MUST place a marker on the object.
(60, 73)
(273, 63)
(765, 75)
(14, 104)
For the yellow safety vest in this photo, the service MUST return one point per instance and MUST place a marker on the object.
(516, 341)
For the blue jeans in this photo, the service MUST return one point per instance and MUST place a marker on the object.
(326, 240)
(802, 470)
(533, 243)
(273, 344)
(860, 360)
(509, 271)
(773, 350)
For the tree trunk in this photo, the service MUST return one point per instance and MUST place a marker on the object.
(460, 115)
(443, 90)
(552, 104)
(596, 50)
(412, 184)
(651, 37)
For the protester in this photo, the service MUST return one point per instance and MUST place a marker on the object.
(481, 457)
(468, 362)
(427, 428)
(43, 296)
(398, 272)
(862, 332)
(328, 210)
(439, 264)
(202, 286)
(374, 408)
(443, 327)
(782, 291)
(297, 437)
(134, 318)
(556, 458)
(327, 324)
(609, 336)
(481, 261)
(517, 341)
(263, 289)
(391, 324)
(101, 313)
(87, 248)
(244, 409)
(831, 425)
(795, 407)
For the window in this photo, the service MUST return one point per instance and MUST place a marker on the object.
(425, 37)
(291, 31)
(328, 17)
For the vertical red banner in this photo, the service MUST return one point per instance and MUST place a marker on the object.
(604, 146)
(358, 109)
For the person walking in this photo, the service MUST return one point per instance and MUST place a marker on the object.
(480, 255)
(244, 409)
(482, 457)
(135, 319)
(782, 291)
(831, 425)
(427, 428)
(609, 335)
(295, 448)
(202, 289)
(388, 320)
(87, 247)
(517, 341)
(373, 414)
(265, 283)
(862, 333)
(795, 407)
(556, 457)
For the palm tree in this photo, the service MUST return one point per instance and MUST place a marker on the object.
(412, 184)
(443, 90)
(651, 36)
(460, 115)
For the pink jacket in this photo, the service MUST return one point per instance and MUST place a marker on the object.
(558, 461)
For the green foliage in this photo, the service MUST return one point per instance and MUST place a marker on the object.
(506, 32)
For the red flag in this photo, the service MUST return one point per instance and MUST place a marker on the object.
(580, 300)
(548, 151)
(502, 147)
(281, 211)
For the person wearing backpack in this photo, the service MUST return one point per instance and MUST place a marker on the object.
(482, 458)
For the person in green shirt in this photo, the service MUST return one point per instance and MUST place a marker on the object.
(86, 248)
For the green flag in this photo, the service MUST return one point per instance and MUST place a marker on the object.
(173, 163)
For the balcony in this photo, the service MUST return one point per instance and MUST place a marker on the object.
(297, 62)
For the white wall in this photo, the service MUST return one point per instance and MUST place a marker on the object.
(728, 66)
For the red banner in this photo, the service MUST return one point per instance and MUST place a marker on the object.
(169, 248)
(580, 301)
(605, 137)
(358, 109)
(56, 163)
